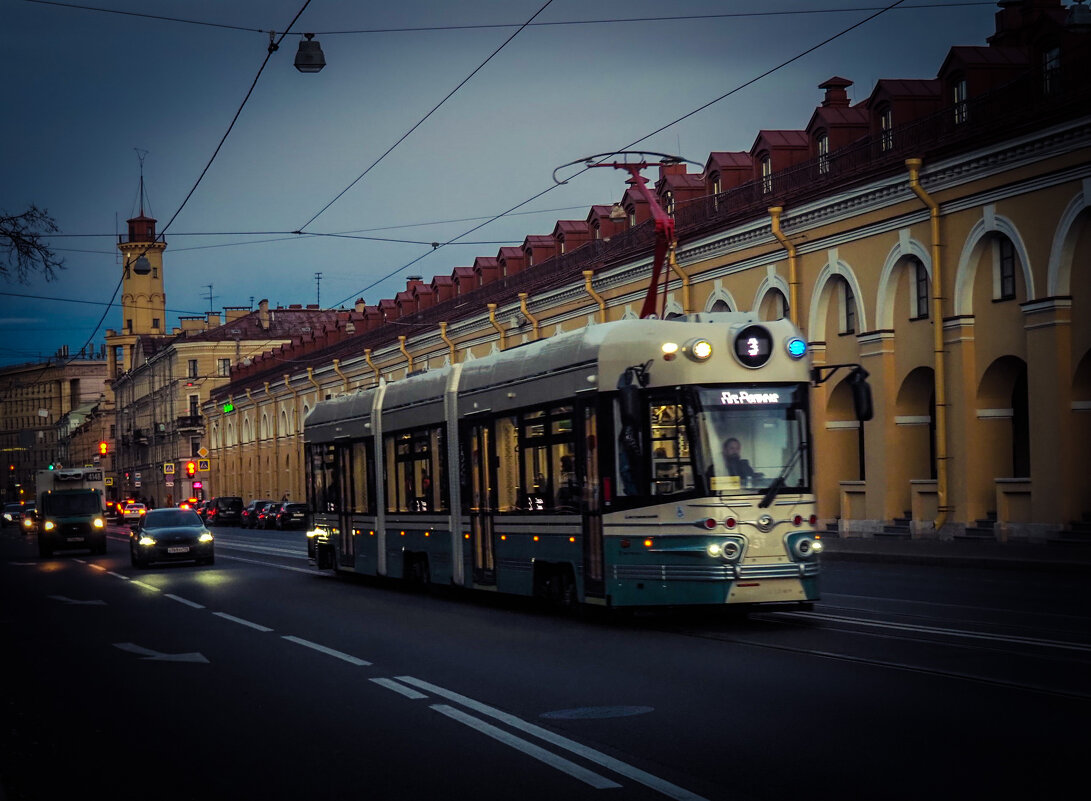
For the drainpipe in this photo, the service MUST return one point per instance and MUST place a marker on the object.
(408, 356)
(295, 400)
(371, 364)
(594, 295)
(276, 435)
(317, 386)
(496, 325)
(344, 378)
(685, 278)
(295, 417)
(450, 344)
(914, 166)
(526, 312)
(257, 441)
(793, 267)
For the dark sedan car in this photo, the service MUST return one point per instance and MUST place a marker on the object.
(291, 515)
(168, 535)
(267, 514)
(250, 513)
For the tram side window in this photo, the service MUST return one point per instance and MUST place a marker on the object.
(654, 457)
(416, 471)
(324, 484)
(508, 488)
(671, 460)
(362, 488)
(547, 454)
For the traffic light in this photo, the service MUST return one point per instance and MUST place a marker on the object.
(103, 448)
(191, 469)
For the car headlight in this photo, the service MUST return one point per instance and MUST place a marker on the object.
(146, 540)
(28, 522)
(206, 536)
(49, 525)
(98, 522)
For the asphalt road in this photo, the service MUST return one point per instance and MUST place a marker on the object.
(261, 677)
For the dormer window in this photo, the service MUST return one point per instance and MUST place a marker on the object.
(822, 145)
(886, 129)
(766, 162)
(959, 95)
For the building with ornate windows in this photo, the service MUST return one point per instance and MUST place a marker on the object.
(37, 402)
(937, 233)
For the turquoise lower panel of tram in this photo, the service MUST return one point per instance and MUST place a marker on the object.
(664, 578)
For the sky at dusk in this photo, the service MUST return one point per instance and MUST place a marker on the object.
(87, 90)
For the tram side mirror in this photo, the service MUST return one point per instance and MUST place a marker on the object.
(629, 404)
(861, 394)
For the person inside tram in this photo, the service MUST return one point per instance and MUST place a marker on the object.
(733, 461)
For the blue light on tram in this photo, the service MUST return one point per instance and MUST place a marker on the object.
(797, 348)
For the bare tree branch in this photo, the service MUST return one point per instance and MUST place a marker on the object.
(22, 251)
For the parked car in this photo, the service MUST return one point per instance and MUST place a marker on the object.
(201, 509)
(267, 514)
(168, 535)
(225, 510)
(291, 515)
(133, 512)
(250, 513)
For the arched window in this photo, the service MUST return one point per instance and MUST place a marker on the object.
(822, 147)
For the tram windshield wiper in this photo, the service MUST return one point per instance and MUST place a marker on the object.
(778, 483)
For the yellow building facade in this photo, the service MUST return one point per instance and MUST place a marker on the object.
(948, 255)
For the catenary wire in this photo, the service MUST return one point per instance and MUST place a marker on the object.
(630, 145)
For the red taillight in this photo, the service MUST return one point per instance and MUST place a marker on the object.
(797, 520)
(710, 524)
(812, 519)
(730, 522)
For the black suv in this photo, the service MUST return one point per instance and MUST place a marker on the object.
(224, 511)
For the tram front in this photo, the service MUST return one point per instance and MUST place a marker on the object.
(712, 499)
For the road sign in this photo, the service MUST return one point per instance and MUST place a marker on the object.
(109, 481)
(203, 465)
(168, 468)
(202, 452)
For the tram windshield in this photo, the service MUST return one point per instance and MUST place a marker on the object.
(749, 436)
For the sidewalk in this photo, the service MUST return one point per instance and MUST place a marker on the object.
(1051, 556)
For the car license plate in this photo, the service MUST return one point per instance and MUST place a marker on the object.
(74, 539)
(179, 549)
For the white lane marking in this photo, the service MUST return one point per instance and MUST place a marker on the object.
(146, 586)
(97, 567)
(118, 575)
(352, 660)
(309, 571)
(192, 604)
(560, 763)
(408, 692)
(242, 622)
(590, 754)
(972, 635)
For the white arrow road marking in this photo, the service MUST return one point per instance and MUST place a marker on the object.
(66, 600)
(156, 656)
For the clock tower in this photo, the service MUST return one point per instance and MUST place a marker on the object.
(143, 300)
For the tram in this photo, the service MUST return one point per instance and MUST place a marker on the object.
(631, 463)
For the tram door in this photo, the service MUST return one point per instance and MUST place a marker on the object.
(346, 543)
(594, 580)
(482, 503)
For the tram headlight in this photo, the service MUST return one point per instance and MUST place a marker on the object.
(806, 548)
(714, 549)
(699, 350)
(732, 550)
